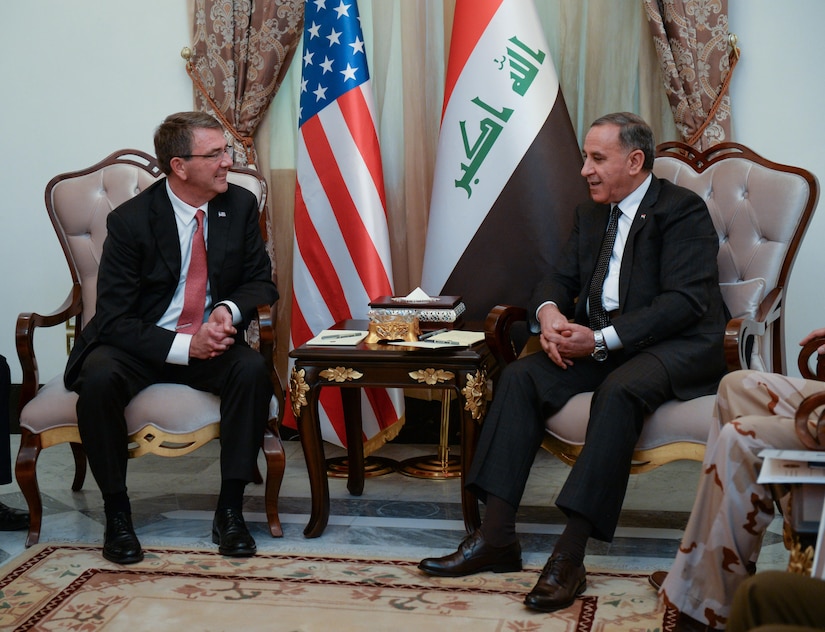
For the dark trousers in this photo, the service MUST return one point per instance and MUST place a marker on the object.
(110, 378)
(5, 447)
(532, 389)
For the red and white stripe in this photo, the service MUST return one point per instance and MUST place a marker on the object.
(341, 258)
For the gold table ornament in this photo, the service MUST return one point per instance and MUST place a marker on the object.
(393, 327)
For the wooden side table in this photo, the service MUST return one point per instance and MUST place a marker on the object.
(466, 370)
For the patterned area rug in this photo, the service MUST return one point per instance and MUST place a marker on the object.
(72, 587)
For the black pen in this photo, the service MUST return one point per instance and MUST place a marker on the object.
(432, 333)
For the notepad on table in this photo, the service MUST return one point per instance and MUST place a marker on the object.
(452, 338)
(338, 337)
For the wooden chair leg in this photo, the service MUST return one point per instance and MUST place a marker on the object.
(25, 470)
(275, 466)
(79, 454)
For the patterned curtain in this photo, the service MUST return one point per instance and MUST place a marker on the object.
(241, 51)
(697, 56)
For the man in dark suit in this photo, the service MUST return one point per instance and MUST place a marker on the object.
(647, 327)
(154, 252)
(11, 519)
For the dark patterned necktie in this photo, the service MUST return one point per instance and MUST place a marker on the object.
(597, 316)
(194, 291)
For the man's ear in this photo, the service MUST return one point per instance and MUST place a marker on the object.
(178, 166)
(635, 161)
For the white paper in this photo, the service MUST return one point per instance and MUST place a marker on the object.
(417, 296)
(452, 338)
(459, 336)
(338, 337)
(792, 466)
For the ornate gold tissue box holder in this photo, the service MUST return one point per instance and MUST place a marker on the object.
(393, 327)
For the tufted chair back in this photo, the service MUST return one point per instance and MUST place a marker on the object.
(78, 204)
(761, 210)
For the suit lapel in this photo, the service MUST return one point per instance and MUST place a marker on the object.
(220, 220)
(165, 229)
(597, 229)
(639, 222)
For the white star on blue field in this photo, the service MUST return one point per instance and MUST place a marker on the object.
(334, 60)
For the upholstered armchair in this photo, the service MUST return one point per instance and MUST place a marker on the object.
(761, 210)
(164, 419)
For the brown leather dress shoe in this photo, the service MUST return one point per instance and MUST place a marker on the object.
(474, 555)
(656, 579)
(560, 582)
(685, 623)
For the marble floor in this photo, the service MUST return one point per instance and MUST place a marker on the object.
(173, 501)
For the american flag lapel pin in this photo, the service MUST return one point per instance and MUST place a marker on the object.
(221, 213)
(644, 216)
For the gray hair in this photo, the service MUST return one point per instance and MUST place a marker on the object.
(634, 133)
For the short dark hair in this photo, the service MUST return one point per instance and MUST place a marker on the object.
(634, 133)
(173, 137)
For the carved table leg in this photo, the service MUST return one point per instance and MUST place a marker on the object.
(309, 429)
(351, 400)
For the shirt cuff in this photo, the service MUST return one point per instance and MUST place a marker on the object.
(237, 317)
(611, 338)
(179, 351)
(538, 309)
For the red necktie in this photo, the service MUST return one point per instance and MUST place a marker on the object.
(194, 294)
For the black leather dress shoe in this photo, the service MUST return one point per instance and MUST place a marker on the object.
(229, 532)
(12, 519)
(474, 555)
(560, 582)
(121, 545)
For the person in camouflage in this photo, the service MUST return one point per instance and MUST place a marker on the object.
(754, 410)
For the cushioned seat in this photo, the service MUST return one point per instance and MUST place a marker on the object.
(165, 419)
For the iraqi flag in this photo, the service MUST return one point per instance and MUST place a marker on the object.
(341, 257)
(507, 175)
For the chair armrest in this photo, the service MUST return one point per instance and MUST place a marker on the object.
(809, 405)
(497, 328)
(267, 348)
(27, 322)
(804, 360)
(741, 334)
(807, 408)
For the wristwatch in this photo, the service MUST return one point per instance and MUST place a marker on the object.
(600, 350)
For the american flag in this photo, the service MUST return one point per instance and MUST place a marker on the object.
(341, 255)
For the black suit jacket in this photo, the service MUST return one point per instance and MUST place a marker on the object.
(140, 268)
(669, 299)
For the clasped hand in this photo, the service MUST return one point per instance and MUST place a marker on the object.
(562, 340)
(214, 337)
